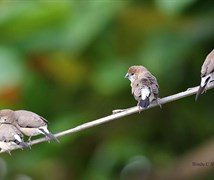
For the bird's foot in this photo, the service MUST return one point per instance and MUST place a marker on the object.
(48, 139)
(205, 89)
(29, 142)
(139, 109)
(118, 111)
(158, 102)
(8, 151)
(189, 89)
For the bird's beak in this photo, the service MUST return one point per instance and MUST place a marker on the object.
(127, 76)
(200, 91)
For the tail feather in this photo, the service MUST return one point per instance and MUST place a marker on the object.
(24, 144)
(50, 135)
(200, 91)
(144, 103)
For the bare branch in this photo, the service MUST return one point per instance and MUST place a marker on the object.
(188, 92)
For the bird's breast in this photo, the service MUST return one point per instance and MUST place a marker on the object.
(30, 131)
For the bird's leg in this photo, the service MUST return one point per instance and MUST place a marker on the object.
(158, 102)
(139, 107)
(205, 89)
(9, 152)
(29, 141)
(48, 139)
(5, 150)
(30, 144)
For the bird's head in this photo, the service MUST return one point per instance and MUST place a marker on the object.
(134, 72)
(7, 116)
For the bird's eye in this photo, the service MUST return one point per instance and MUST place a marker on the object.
(132, 74)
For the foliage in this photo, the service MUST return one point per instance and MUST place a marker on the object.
(66, 61)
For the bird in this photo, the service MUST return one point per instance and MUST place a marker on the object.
(145, 88)
(29, 123)
(11, 138)
(32, 124)
(207, 74)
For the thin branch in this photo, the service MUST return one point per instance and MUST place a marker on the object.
(126, 112)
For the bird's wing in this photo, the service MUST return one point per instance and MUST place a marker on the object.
(136, 89)
(153, 84)
(7, 133)
(208, 65)
(138, 85)
(29, 119)
(4, 132)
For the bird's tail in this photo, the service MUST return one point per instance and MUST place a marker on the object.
(204, 81)
(200, 91)
(144, 103)
(50, 135)
(23, 144)
(19, 141)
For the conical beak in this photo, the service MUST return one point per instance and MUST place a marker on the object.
(200, 91)
(127, 75)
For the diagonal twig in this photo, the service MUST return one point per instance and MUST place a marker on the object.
(132, 110)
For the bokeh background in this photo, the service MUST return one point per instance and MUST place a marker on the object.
(66, 61)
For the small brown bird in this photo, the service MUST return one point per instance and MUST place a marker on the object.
(207, 73)
(31, 124)
(10, 136)
(144, 85)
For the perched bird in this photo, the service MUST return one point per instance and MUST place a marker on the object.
(144, 85)
(207, 73)
(11, 138)
(31, 124)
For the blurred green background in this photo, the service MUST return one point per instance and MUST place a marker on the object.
(66, 61)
